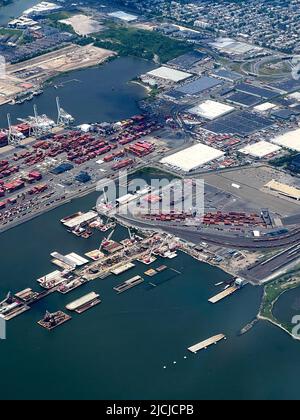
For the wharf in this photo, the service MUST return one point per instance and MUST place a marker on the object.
(122, 268)
(223, 295)
(16, 312)
(206, 343)
(30, 297)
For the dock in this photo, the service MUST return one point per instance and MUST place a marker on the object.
(223, 295)
(122, 269)
(16, 312)
(206, 343)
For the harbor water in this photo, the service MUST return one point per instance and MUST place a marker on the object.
(14, 9)
(97, 94)
(119, 349)
(125, 348)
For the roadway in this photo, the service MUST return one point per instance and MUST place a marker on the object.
(191, 234)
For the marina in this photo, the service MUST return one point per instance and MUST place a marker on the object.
(203, 345)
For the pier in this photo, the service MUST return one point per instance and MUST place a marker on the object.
(223, 295)
(207, 343)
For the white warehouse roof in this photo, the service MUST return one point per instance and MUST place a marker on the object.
(169, 74)
(126, 17)
(260, 149)
(290, 140)
(192, 158)
(265, 107)
(211, 109)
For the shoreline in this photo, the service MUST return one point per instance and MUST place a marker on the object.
(274, 320)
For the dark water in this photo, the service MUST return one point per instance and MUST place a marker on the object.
(16, 8)
(288, 306)
(97, 94)
(118, 349)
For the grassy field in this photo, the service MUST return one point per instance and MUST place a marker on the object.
(140, 43)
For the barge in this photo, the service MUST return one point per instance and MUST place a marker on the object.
(84, 303)
(129, 284)
(54, 320)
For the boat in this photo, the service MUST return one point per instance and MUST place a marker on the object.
(219, 284)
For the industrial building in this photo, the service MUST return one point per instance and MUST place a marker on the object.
(290, 140)
(192, 158)
(169, 74)
(199, 85)
(211, 110)
(260, 149)
(266, 106)
(283, 189)
(228, 76)
(126, 17)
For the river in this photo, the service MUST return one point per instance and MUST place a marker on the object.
(119, 349)
(96, 94)
(16, 8)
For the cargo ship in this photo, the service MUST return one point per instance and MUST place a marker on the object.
(129, 284)
(84, 303)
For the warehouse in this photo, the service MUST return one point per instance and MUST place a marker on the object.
(243, 99)
(192, 158)
(265, 107)
(284, 189)
(211, 110)
(229, 76)
(260, 149)
(199, 85)
(169, 74)
(126, 17)
(290, 140)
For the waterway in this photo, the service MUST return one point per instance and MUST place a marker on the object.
(119, 349)
(97, 94)
(15, 9)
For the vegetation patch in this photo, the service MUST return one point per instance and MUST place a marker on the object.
(140, 43)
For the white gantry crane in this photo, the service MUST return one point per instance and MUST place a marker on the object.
(63, 118)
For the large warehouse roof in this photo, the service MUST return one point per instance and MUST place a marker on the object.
(260, 149)
(266, 106)
(290, 140)
(169, 74)
(192, 158)
(211, 110)
(126, 17)
(199, 85)
(284, 189)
